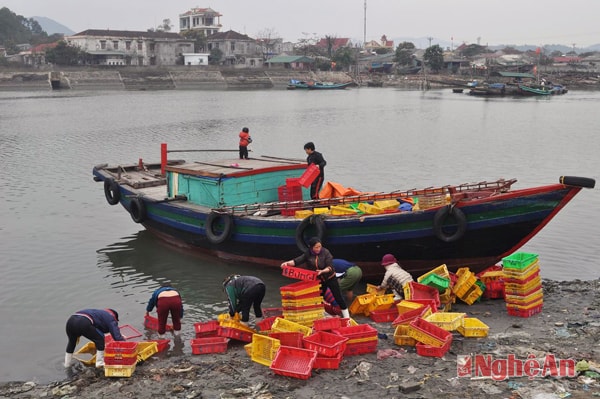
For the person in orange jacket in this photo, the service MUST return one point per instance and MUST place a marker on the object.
(245, 139)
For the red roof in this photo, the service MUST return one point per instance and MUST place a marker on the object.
(40, 48)
(337, 42)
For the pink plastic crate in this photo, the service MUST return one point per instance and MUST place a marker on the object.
(206, 328)
(201, 346)
(325, 343)
(299, 273)
(288, 338)
(294, 362)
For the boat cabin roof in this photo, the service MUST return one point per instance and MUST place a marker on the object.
(234, 167)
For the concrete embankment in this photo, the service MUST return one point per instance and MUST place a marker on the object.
(158, 79)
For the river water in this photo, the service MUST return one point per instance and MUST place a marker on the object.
(63, 248)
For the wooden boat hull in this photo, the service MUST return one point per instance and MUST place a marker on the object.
(494, 227)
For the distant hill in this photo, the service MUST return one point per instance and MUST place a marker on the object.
(51, 27)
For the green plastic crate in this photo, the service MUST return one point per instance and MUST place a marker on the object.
(437, 281)
(519, 260)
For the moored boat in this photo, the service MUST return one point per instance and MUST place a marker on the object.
(312, 85)
(258, 212)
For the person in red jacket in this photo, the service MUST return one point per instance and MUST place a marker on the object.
(245, 139)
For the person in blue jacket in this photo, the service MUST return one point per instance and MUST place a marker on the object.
(167, 300)
(92, 324)
(348, 274)
(243, 293)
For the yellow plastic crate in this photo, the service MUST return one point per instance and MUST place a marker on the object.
(87, 349)
(248, 348)
(369, 209)
(305, 316)
(362, 340)
(145, 350)
(226, 317)
(473, 294)
(524, 300)
(316, 300)
(286, 325)
(359, 305)
(381, 302)
(522, 274)
(490, 276)
(401, 336)
(447, 321)
(318, 211)
(387, 204)
(304, 213)
(441, 270)
(119, 371)
(516, 289)
(473, 327)
(372, 289)
(339, 210)
(447, 296)
(264, 349)
(465, 281)
(405, 305)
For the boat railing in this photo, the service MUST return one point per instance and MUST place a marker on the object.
(459, 192)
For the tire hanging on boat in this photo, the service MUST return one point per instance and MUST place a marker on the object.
(112, 191)
(213, 235)
(442, 215)
(585, 182)
(137, 209)
(312, 220)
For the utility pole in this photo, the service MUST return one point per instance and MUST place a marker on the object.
(430, 39)
(573, 47)
(365, 26)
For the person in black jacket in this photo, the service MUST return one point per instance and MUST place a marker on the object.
(315, 157)
(319, 259)
(243, 293)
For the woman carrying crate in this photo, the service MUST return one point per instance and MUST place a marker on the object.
(243, 293)
(167, 300)
(320, 259)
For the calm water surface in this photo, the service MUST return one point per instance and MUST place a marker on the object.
(63, 248)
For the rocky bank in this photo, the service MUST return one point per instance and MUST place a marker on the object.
(567, 328)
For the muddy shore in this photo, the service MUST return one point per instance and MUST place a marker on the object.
(567, 328)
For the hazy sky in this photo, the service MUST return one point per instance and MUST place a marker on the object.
(573, 22)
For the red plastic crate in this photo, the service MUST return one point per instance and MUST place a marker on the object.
(427, 333)
(266, 323)
(161, 344)
(525, 312)
(358, 331)
(206, 328)
(434, 351)
(299, 273)
(121, 348)
(230, 332)
(325, 343)
(292, 181)
(421, 291)
(288, 338)
(272, 312)
(119, 360)
(294, 362)
(328, 323)
(309, 175)
(494, 289)
(300, 288)
(410, 315)
(331, 363)
(289, 193)
(382, 316)
(360, 348)
(151, 323)
(128, 332)
(201, 346)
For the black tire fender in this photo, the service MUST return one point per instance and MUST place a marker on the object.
(212, 234)
(137, 210)
(112, 192)
(585, 182)
(312, 220)
(442, 216)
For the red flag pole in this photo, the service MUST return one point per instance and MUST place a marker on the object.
(163, 158)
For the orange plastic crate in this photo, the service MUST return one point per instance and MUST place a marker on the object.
(325, 343)
(294, 362)
(201, 346)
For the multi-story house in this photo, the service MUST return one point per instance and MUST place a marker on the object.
(237, 49)
(117, 47)
(205, 20)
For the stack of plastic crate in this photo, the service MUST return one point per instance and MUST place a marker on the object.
(522, 284)
(330, 348)
(302, 302)
(418, 292)
(362, 338)
(466, 287)
(120, 358)
(431, 340)
(291, 195)
(440, 279)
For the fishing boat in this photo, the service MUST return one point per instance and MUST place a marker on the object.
(312, 85)
(534, 90)
(259, 211)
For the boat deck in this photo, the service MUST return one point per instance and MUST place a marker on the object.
(236, 167)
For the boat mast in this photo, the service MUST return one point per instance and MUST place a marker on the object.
(365, 27)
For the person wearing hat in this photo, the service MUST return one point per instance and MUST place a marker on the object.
(245, 139)
(395, 277)
(318, 258)
(167, 300)
(243, 293)
(92, 324)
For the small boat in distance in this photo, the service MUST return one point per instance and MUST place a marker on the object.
(312, 85)
(260, 212)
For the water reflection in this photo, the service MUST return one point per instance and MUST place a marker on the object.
(138, 263)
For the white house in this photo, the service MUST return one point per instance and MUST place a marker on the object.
(205, 20)
(200, 59)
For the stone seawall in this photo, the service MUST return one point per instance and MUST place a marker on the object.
(159, 79)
